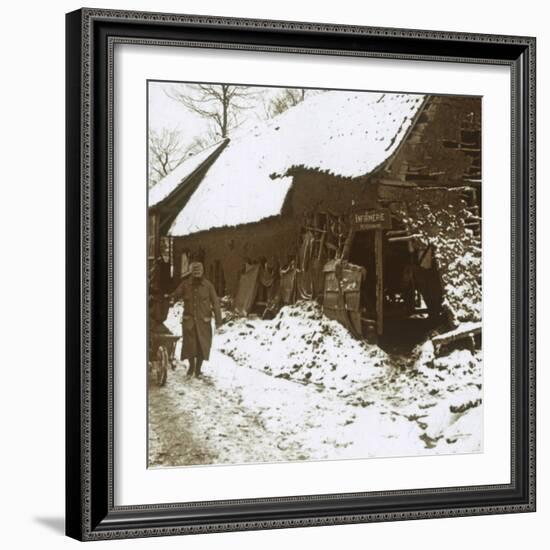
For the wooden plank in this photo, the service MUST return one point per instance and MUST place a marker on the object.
(378, 251)
(465, 331)
(405, 238)
(397, 232)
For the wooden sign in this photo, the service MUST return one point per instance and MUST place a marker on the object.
(363, 220)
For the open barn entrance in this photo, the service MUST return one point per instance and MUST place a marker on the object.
(407, 318)
(362, 253)
(393, 308)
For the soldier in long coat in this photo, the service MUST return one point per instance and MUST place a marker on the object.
(200, 302)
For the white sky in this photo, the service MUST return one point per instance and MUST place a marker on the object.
(168, 113)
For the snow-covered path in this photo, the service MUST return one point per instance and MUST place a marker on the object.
(240, 415)
(299, 387)
(203, 421)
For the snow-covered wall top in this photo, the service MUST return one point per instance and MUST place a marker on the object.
(170, 182)
(446, 225)
(347, 134)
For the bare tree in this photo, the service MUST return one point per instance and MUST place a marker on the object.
(222, 104)
(166, 152)
(287, 98)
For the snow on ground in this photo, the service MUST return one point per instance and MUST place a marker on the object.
(434, 394)
(303, 345)
(239, 415)
(347, 134)
(299, 387)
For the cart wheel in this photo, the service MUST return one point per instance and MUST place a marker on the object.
(162, 356)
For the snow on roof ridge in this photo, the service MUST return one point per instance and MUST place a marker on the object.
(169, 183)
(347, 134)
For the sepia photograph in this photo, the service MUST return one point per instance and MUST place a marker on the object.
(314, 261)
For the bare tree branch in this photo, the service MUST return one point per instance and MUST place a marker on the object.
(287, 98)
(166, 152)
(219, 103)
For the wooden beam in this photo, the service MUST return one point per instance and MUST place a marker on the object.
(468, 331)
(378, 251)
(405, 238)
(397, 232)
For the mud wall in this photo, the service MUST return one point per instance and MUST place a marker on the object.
(274, 238)
(231, 246)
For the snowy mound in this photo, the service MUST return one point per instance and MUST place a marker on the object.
(301, 344)
(420, 402)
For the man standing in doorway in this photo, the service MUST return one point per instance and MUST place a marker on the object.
(199, 303)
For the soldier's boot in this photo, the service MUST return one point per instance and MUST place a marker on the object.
(198, 366)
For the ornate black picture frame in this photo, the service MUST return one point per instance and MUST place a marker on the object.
(90, 510)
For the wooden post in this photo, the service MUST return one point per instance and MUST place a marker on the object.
(171, 257)
(347, 245)
(154, 233)
(378, 255)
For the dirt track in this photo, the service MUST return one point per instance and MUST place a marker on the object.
(192, 422)
(199, 421)
(238, 415)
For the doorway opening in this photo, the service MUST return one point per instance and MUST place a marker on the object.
(400, 299)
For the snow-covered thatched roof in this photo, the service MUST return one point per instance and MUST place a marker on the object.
(348, 134)
(164, 187)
